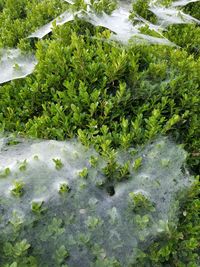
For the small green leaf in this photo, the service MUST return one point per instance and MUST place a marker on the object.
(61, 254)
(64, 188)
(140, 202)
(5, 173)
(84, 173)
(137, 163)
(93, 222)
(58, 164)
(18, 188)
(37, 206)
(23, 165)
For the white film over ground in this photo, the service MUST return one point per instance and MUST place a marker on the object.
(54, 195)
(14, 64)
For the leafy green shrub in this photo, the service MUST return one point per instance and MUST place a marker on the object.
(21, 17)
(111, 97)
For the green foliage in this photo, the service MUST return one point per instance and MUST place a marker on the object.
(18, 250)
(61, 254)
(137, 163)
(37, 207)
(64, 188)
(192, 9)
(110, 97)
(58, 164)
(139, 202)
(23, 166)
(84, 173)
(17, 254)
(93, 222)
(18, 188)
(142, 221)
(104, 5)
(141, 8)
(21, 17)
(4, 173)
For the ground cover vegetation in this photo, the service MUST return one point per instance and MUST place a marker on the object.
(59, 209)
(108, 96)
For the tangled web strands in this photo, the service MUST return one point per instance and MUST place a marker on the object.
(15, 65)
(55, 190)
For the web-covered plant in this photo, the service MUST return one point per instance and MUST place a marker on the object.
(127, 22)
(59, 207)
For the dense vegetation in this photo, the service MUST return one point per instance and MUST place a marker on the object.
(110, 96)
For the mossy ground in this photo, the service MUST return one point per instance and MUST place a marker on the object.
(109, 96)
